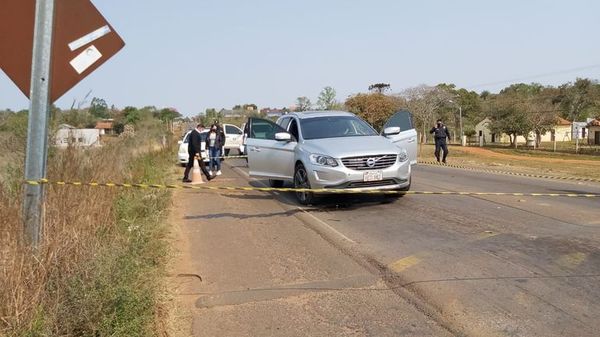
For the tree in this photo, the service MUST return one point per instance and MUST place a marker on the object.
(379, 88)
(425, 103)
(131, 115)
(303, 103)
(375, 108)
(506, 117)
(250, 107)
(99, 108)
(327, 99)
(575, 98)
(168, 114)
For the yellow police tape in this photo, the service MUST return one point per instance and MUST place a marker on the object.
(529, 175)
(306, 190)
(484, 170)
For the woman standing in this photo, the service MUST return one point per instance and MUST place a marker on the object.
(214, 142)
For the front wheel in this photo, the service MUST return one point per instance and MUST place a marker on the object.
(301, 181)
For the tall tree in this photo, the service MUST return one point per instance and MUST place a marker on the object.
(327, 99)
(575, 99)
(303, 103)
(379, 88)
(99, 108)
(375, 108)
(425, 102)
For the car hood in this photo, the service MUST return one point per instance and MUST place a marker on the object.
(350, 146)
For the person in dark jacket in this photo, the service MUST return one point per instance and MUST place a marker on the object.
(215, 140)
(195, 141)
(440, 134)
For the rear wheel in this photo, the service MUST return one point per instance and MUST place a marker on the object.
(301, 181)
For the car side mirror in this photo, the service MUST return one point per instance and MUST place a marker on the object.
(283, 137)
(180, 142)
(391, 131)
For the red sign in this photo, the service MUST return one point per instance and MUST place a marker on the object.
(82, 41)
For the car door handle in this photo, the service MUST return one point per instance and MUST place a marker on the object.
(255, 148)
(412, 140)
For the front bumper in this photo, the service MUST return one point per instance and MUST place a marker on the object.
(395, 177)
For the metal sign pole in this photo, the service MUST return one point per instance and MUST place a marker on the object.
(39, 115)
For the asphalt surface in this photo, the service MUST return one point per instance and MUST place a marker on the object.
(457, 265)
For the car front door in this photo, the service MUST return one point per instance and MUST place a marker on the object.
(268, 157)
(407, 138)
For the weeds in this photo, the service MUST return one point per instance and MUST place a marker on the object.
(98, 272)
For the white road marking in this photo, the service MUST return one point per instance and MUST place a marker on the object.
(328, 226)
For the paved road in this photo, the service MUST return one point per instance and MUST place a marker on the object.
(488, 266)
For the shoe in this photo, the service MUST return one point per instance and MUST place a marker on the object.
(444, 161)
(219, 172)
(186, 180)
(210, 173)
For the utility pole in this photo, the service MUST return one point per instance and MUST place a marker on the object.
(39, 116)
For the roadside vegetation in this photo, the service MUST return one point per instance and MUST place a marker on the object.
(101, 267)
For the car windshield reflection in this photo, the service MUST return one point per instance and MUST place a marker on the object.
(335, 127)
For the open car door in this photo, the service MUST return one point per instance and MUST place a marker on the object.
(268, 156)
(407, 138)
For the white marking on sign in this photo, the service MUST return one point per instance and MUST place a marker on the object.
(84, 60)
(93, 36)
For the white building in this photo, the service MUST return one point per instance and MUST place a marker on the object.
(67, 134)
(561, 133)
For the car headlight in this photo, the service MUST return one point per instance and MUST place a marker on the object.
(322, 160)
(402, 156)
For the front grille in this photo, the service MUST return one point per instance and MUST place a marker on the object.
(361, 184)
(381, 161)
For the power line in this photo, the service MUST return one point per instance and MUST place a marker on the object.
(566, 71)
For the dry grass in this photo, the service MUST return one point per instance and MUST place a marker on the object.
(524, 161)
(96, 271)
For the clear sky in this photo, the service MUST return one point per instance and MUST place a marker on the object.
(197, 54)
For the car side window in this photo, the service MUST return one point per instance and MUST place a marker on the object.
(186, 137)
(284, 122)
(293, 129)
(232, 130)
(403, 119)
(264, 129)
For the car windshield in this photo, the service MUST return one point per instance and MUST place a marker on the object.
(335, 127)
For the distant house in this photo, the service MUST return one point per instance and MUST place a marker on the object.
(69, 135)
(272, 113)
(594, 132)
(561, 133)
(106, 126)
(231, 113)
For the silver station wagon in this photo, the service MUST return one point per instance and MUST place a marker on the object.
(332, 150)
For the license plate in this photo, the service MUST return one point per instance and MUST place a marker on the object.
(373, 176)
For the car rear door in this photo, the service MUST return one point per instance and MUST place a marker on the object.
(233, 136)
(407, 138)
(268, 157)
